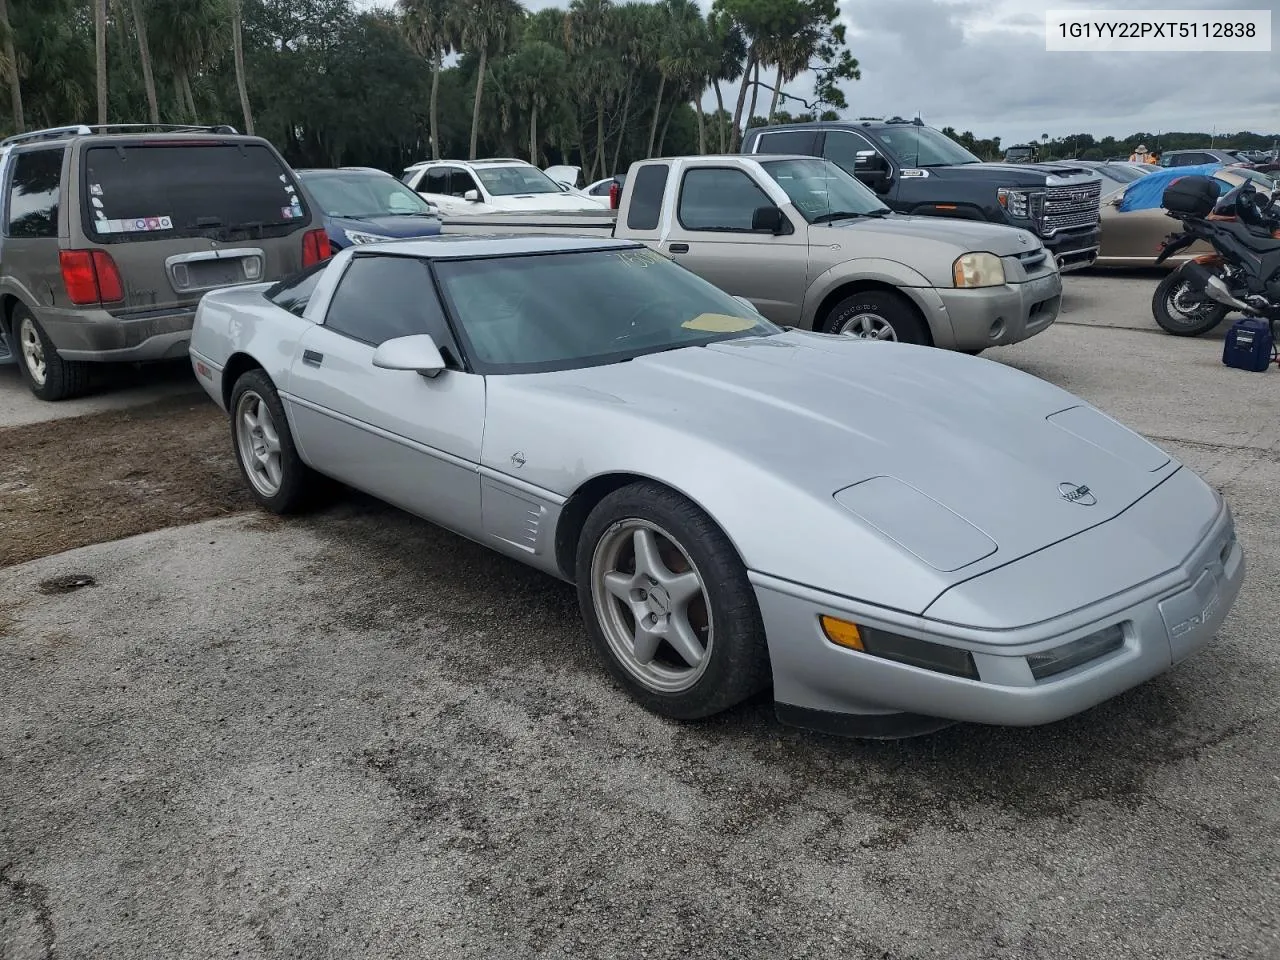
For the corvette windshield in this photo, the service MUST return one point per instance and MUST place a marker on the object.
(528, 314)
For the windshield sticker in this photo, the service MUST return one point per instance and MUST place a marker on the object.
(639, 258)
(95, 189)
(96, 202)
(718, 323)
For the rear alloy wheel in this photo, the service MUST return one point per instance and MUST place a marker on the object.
(1183, 312)
(668, 605)
(278, 479)
(48, 376)
(876, 315)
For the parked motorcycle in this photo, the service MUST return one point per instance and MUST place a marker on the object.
(1243, 272)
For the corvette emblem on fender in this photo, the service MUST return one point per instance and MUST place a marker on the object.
(1076, 494)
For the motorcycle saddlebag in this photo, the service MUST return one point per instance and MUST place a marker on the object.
(1194, 196)
(1249, 345)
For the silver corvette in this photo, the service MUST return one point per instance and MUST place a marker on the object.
(894, 538)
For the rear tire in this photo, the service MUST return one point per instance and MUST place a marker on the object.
(877, 315)
(278, 479)
(1180, 312)
(667, 604)
(48, 376)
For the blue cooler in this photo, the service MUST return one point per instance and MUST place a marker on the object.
(1250, 345)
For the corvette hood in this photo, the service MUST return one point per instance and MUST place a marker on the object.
(962, 463)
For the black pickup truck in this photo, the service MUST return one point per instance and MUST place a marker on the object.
(919, 170)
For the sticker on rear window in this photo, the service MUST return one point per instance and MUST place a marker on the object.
(95, 189)
(132, 225)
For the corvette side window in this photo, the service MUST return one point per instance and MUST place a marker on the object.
(383, 297)
(294, 292)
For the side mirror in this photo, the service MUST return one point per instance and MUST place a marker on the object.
(767, 219)
(472, 195)
(418, 353)
(868, 161)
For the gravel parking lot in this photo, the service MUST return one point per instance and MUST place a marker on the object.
(354, 735)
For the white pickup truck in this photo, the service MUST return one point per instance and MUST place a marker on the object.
(811, 247)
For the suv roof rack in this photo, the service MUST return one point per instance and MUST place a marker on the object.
(88, 129)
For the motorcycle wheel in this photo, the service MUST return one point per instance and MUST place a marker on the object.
(1182, 312)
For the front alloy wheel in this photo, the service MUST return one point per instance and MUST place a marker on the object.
(651, 605)
(668, 605)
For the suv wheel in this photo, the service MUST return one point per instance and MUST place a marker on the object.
(48, 375)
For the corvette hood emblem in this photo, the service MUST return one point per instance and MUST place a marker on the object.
(1073, 493)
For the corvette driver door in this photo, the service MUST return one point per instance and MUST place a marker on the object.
(410, 440)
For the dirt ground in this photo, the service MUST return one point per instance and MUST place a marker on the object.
(73, 482)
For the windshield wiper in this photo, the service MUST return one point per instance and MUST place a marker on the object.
(848, 215)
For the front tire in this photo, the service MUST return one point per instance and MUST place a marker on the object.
(667, 604)
(48, 376)
(1180, 312)
(278, 479)
(877, 315)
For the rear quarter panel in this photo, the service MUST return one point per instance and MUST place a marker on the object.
(241, 322)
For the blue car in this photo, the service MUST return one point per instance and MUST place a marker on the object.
(363, 205)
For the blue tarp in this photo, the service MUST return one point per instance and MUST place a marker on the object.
(1145, 192)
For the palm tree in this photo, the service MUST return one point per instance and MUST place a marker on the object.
(139, 11)
(673, 45)
(629, 33)
(237, 46)
(11, 68)
(188, 32)
(485, 28)
(100, 44)
(730, 49)
(432, 34)
(586, 30)
(538, 70)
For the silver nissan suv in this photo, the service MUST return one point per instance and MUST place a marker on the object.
(112, 234)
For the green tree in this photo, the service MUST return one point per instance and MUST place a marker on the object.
(11, 68)
(431, 26)
(485, 28)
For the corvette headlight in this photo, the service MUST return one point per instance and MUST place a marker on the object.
(978, 270)
(359, 236)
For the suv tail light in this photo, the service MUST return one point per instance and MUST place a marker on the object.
(90, 276)
(315, 247)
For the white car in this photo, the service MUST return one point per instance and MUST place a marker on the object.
(568, 177)
(506, 185)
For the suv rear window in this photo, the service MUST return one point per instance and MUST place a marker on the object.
(156, 191)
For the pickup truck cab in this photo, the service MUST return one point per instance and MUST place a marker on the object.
(919, 170)
(811, 247)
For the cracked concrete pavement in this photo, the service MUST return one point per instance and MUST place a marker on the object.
(355, 735)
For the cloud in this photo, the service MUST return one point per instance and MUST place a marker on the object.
(982, 65)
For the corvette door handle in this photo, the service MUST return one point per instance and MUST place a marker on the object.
(311, 358)
(679, 248)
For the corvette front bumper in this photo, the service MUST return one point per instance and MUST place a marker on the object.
(1166, 617)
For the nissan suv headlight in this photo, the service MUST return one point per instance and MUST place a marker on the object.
(359, 236)
(978, 270)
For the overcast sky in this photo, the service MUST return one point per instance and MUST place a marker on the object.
(981, 65)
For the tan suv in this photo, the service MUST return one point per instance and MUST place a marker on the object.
(112, 234)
